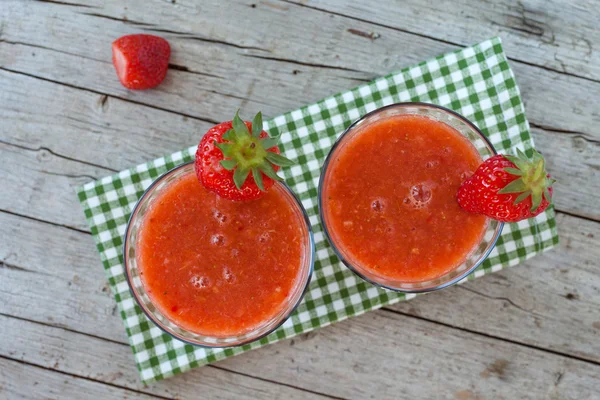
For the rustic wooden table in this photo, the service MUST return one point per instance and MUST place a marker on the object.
(530, 332)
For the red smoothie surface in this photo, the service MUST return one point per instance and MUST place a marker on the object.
(218, 267)
(389, 199)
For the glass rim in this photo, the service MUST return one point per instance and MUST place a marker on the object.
(337, 251)
(310, 252)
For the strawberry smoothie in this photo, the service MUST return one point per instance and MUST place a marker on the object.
(217, 267)
(389, 198)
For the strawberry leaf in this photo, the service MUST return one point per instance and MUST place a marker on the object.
(536, 200)
(268, 170)
(522, 165)
(229, 135)
(226, 148)
(239, 125)
(516, 186)
(257, 125)
(514, 171)
(279, 159)
(269, 142)
(547, 195)
(239, 177)
(229, 165)
(257, 175)
(522, 197)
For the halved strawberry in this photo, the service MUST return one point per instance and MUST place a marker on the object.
(508, 188)
(141, 60)
(231, 151)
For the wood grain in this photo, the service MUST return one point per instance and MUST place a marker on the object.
(276, 77)
(528, 332)
(22, 381)
(104, 361)
(113, 134)
(378, 355)
(552, 34)
(58, 268)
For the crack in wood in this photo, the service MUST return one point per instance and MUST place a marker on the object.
(559, 377)
(244, 99)
(524, 23)
(368, 35)
(73, 176)
(103, 102)
(306, 64)
(64, 3)
(89, 378)
(42, 148)
(192, 36)
(45, 222)
(505, 339)
(277, 382)
(506, 299)
(183, 68)
(581, 135)
(13, 267)
(123, 19)
(580, 216)
(437, 39)
(38, 46)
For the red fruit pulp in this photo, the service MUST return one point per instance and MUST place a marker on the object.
(141, 61)
(389, 199)
(218, 267)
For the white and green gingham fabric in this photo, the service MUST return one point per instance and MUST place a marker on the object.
(475, 81)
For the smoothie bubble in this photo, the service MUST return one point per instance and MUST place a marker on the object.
(200, 282)
(228, 275)
(377, 205)
(217, 240)
(264, 237)
(220, 217)
(432, 164)
(420, 195)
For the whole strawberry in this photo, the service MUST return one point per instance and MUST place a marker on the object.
(238, 160)
(141, 60)
(508, 188)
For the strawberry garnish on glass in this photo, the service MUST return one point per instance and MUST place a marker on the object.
(508, 188)
(238, 160)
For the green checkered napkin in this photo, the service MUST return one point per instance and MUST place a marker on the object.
(475, 81)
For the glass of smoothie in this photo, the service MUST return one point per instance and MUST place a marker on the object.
(387, 198)
(215, 272)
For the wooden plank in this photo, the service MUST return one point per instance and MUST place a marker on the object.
(552, 34)
(573, 159)
(527, 303)
(41, 184)
(351, 359)
(278, 77)
(57, 269)
(22, 381)
(118, 134)
(385, 355)
(103, 361)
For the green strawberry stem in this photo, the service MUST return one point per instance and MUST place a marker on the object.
(533, 179)
(246, 152)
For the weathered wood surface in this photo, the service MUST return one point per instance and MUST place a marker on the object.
(23, 381)
(109, 135)
(324, 58)
(528, 332)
